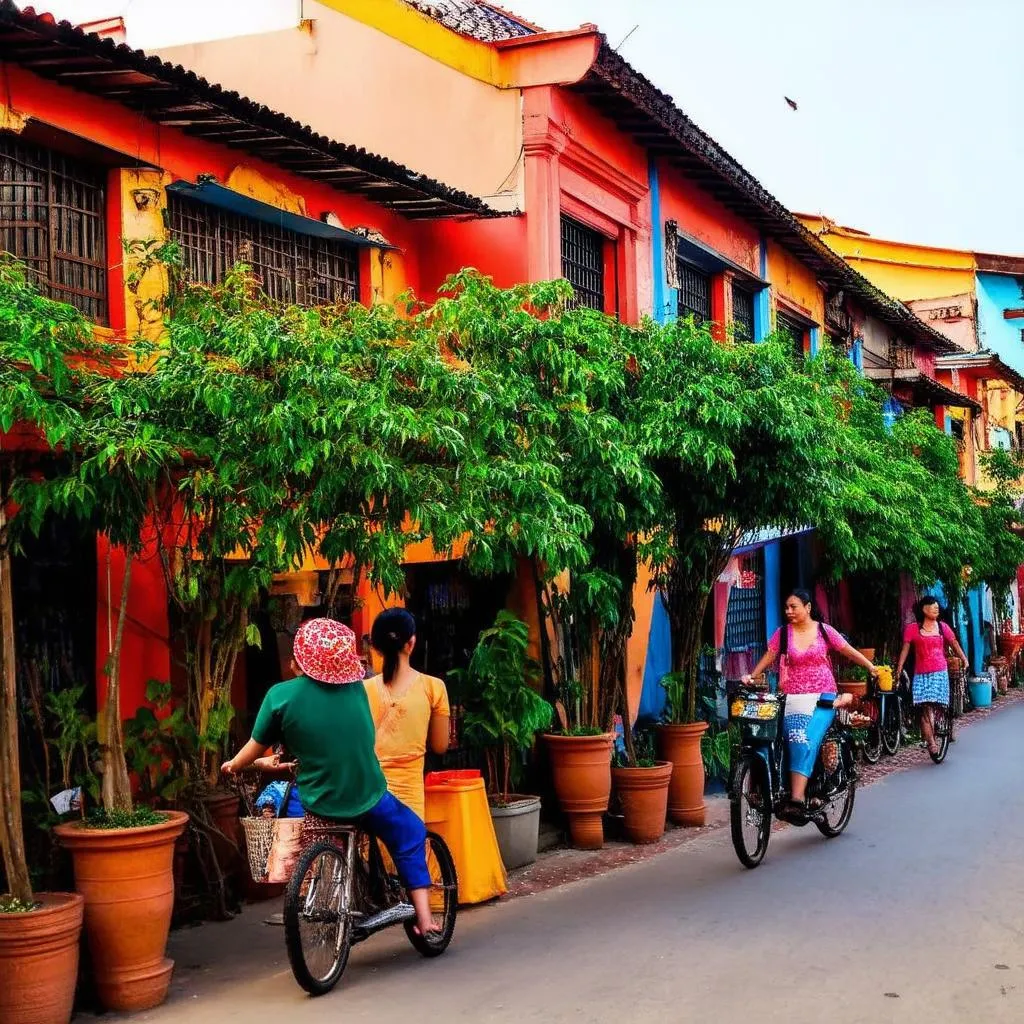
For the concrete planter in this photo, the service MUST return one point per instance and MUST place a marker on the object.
(517, 827)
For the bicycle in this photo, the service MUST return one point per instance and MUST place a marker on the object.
(882, 716)
(341, 894)
(759, 786)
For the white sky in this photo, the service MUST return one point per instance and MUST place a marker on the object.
(911, 112)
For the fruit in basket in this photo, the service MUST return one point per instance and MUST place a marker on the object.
(737, 708)
(766, 711)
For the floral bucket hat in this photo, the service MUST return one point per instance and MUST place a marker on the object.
(325, 650)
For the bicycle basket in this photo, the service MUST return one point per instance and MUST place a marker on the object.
(758, 713)
(259, 837)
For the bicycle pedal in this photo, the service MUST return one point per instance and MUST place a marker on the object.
(385, 918)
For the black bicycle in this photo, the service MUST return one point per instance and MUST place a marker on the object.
(759, 787)
(341, 893)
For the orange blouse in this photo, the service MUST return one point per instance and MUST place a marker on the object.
(402, 727)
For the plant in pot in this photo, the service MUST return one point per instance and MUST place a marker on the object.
(503, 716)
(40, 411)
(641, 784)
(122, 854)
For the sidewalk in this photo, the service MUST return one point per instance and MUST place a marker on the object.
(217, 956)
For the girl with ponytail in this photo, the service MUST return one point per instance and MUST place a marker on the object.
(410, 710)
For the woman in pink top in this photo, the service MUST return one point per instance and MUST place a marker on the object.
(929, 637)
(807, 679)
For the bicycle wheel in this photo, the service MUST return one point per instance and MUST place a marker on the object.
(942, 728)
(873, 744)
(317, 918)
(750, 812)
(892, 725)
(444, 899)
(836, 814)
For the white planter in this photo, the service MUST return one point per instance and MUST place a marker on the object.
(517, 827)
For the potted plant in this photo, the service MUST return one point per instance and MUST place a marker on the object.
(504, 715)
(39, 410)
(641, 784)
(679, 742)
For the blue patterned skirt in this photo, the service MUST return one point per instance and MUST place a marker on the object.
(932, 688)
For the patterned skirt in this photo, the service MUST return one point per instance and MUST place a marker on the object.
(932, 688)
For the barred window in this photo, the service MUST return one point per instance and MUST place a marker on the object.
(694, 292)
(794, 331)
(53, 219)
(583, 262)
(743, 312)
(292, 267)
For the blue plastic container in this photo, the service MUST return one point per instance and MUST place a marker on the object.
(981, 692)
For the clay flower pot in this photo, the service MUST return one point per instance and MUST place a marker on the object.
(856, 688)
(582, 771)
(39, 960)
(643, 794)
(227, 837)
(126, 876)
(868, 652)
(680, 744)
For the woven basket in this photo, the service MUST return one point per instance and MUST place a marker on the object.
(259, 837)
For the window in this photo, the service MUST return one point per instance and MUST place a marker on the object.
(293, 267)
(694, 292)
(795, 331)
(53, 219)
(743, 313)
(583, 262)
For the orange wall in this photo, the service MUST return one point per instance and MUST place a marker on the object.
(791, 280)
(702, 217)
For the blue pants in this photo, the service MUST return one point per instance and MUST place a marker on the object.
(804, 734)
(405, 836)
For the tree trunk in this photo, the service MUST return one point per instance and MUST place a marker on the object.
(12, 838)
(117, 790)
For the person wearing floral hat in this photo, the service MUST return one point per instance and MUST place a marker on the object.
(326, 726)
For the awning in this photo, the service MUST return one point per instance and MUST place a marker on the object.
(984, 365)
(213, 194)
(921, 384)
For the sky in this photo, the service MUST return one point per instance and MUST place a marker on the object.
(910, 113)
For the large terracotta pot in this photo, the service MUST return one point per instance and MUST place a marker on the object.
(643, 793)
(227, 836)
(126, 876)
(868, 652)
(680, 744)
(582, 770)
(39, 960)
(856, 688)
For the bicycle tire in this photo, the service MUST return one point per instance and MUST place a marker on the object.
(750, 773)
(449, 882)
(829, 829)
(941, 719)
(872, 747)
(316, 984)
(891, 726)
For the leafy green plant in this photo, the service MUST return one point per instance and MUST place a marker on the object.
(14, 905)
(161, 745)
(505, 712)
(716, 752)
(138, 817)
(76, 735)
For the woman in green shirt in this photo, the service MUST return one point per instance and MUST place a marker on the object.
(326, 726)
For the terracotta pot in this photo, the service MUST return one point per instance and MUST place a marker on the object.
(227, 837)
(868, 652)
(643, 793)
(680, 744)
(39, 960)
(127, 878)
(582, 771)
(856, 688)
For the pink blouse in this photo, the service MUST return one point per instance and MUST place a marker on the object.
(808, 671)
(929, 649)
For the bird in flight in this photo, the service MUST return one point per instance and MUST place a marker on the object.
(792, 103)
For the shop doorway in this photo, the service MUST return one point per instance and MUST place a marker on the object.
(452, 608)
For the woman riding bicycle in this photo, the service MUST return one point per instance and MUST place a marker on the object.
(326, 726)
(806, 677)
(929, 637)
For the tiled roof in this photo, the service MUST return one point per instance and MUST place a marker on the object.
(482, 21)
(170, 95)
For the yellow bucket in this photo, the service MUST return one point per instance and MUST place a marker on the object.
(885, 678)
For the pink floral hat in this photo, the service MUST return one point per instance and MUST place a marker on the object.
(325, 650)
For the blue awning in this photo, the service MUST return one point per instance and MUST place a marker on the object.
(212, 194)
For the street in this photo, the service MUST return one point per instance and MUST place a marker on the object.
(913, 915)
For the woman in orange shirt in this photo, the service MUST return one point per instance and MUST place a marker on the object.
(410, 710)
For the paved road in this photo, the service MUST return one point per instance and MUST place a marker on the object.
(916, 914)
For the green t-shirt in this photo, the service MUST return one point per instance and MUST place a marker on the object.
(329, 731)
